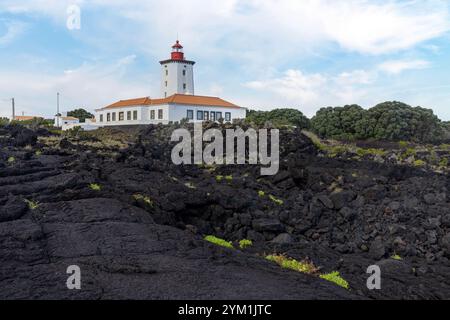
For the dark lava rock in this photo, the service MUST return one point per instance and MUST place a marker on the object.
(326, 201)
(13, 209)
(446, 220)
(23, 136)
(268, 225)
(377, 249)
(284, 238)
(446, 243)
(141, 235)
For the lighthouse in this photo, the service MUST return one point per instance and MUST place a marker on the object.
(177, 73)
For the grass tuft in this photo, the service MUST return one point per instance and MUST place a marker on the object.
(143, 198)
(219, 242)
(32, 205)
(95, 187)
(276, 200)
(292, 264)
(419, 163)
(245, 243)
(336, 278)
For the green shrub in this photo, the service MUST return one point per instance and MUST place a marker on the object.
(11, 160)
(279, 118)
(261, 194)
(95, 187)
(336, 278)
(396, 257)
(219, 242)
(229, 178)
(219, 178)
(245, 243)
(443, 162)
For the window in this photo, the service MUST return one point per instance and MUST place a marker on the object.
(121, 116)
(199, 115)
(160, 114)
(190, 114)
(165, 94)
(135, 115)
(227, 116)
(218, 115)
(128, 115)
(166, 83)
(152, 114)
(206, 115)
(101, 118)
(184, 86)
(108, 117)
(167, 72)
(184, 72)
(213, 116)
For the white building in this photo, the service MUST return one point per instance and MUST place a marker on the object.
(62, 120)
(178, 102)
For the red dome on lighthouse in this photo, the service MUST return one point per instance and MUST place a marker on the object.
(177, 51)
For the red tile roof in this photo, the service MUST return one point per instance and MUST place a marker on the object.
(25, 118)
(174, 99)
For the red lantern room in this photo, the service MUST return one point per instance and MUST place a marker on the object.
(177, 51)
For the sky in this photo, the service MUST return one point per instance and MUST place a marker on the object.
(260, 54)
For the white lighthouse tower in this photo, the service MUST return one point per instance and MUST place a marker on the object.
(177, 73)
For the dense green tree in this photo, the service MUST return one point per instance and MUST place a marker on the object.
(389, 121)
(81, 114)
(338, 122)
(398, 121)
(279, 117)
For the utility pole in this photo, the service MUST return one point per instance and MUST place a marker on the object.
(13, 109)
(57, 110)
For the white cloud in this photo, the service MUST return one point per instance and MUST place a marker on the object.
(364, 26)
(294, 85)
(312, 91)
(90, 86)
(13, 30)
(398, 66)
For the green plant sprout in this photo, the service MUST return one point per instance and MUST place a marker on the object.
(144, 198)
(245, 243)
(32, 205)
(292, 264)
(219, 242)
(336, 278)
(276, 200)
(95, 187)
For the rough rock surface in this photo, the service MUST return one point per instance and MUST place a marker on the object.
(141, 235)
